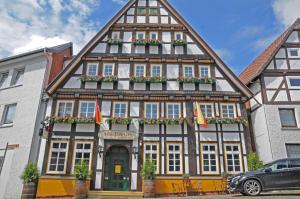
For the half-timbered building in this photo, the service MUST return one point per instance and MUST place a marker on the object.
(274, 78)
(147, 67)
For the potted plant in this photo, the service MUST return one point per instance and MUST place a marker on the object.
(30, 176)
(81, 173)
(148, 173)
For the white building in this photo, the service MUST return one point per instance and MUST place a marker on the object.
(274, 78)
(22, 81)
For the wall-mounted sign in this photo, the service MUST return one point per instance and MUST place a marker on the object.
(118, 169)
(118, 135)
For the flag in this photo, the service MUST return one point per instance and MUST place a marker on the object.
(199, 116)
(98, 114)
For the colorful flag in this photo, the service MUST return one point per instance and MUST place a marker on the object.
(199, 116)
(98, 114)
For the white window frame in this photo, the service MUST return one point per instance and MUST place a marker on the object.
(137, 35)
(178, 33)
(181, 158)
(2, 79)
(80, 103)
(5, 114)
(50, 155)
(14, 80)
(82, 151)
(289, 83)
(113, 69)
(209, 153)
(167, 113)
(114, 108)
(205, 113)
(209, 72)
(90, 65)
(228, 104)
(234, 153)
(135, 68)
(157, 152)
(145, 108)
(189, 66)
(64, 101)
(291, 49)
(156, 65)
(150, 35)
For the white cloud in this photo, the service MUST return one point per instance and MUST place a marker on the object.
(121, 2)
(286, 11)
(225, 54)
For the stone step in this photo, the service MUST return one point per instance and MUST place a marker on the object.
(115, 194)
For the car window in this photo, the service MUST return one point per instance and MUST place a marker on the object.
(279, 165)
(294, 163)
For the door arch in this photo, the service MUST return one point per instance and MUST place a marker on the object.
(116, 169)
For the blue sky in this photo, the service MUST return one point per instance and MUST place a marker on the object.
(238, 30)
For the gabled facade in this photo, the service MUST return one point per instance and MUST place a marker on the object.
(23, 79)
(274, 78)
(147, 68)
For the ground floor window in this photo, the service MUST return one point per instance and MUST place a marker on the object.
(293, 150)
(233, 158)
(58, 157)
(174, 158)
(83, 152)
(209, 159)
(152, 153)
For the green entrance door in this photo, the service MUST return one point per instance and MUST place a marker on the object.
(116, 173)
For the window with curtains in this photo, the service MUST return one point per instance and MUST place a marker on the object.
(92, 69)
(58, 157)
(83, 152)
(87, 109)
(120, 109)
(228, 110)
(151, 153)
(64, 109)
(207, 110)
(233, 158)
(151, 110)
(209, 158)
(174, 159)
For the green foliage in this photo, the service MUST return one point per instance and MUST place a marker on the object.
(119, 120)
(148, 170)
(115, 42)
(71, 120)
(218, 120)
(254, 162)
(30, 173)
(179, 42)
(207, 80)
(81, 171)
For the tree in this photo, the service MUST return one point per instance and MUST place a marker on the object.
(254, 162)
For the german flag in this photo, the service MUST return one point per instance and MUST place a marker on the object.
(98, 116)
(199, 116)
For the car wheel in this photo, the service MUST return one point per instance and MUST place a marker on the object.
(252, 188)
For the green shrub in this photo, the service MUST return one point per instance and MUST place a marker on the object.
(148, 170)
(30, 173)
(254, 162)
(81, 171)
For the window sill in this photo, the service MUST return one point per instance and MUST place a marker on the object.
(290, 128)
(9, 87)
(6, 126)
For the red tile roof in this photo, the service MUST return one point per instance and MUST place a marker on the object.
(259, 64)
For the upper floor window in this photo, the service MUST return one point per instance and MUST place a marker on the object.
(233, 158)
(140, 71)
(108, 70)
(17, 78)
(140, 35)
(294, 82)
(153, 11)
(178, 36)
(115, 35)
(156, 71)
(120, 109)
(294, 52)
(287, 117)
(153, 36)
(64, 109)
(87, 109)
(207, 110)
(151, 110)
(228, 110)
(92, 69)
(204, 71)
(173, 111)
(3, 78)
(141, 11)
(188, 71)
(9, 114)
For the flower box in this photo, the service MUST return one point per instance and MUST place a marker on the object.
(218, 120)
(115, 42)
(109, 79)
(163, 121)
(179, 42)
(154, 42)
(207, 80)
(157, 80)
(140, 42)
(150, 121)
(121, 121)
(71, 120)
(147, 79)
(87, 78)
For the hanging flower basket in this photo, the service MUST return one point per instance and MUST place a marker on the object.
(153, 42)
(140, 42)
(86, 78)
(179, 42)
(115, 42)
(197, 80)
(218, 120)
(71, 120)
(118, 120)
(109, 79)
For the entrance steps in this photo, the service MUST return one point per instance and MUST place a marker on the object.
(115, 195)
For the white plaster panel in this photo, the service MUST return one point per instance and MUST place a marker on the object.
(166, 37)
(178, 50)
(127, 37)
(79, 70)
(189, 87)
(293, 38)
(123, 70)
(243, 144)
(153, 49)
(174, 129)
(134, 109)
(230, 127)
(151, 129)
(133, 181)
(218, 73)
(142, 3)
(123, 85)
(271, 65)
(223, 85)
(134, 126)
(208, 137)
(229, 137)
(118, 127)
(151, 139)
(114, 48)
(141, 19)
(172, 71)
(184, 112)
(155, 86)
(104, 126)
(85, 127)
(186, 159)
(163, 11)
(121, 20)
(105, 38)
(189, 39)
(245, 163)
(172, 85)
(282, 96)
(107, 85)
(222, 164)
(198, 165)
(295, 64)
(166, 48)
(174, 139)
(281, 64)
(140, 49)
(134, 162)
(73, 82)
(90, 85)
(130, 19)
(100, 48)
(130, 11)
(295, 95)
(270, 94)
(105, 108)
(173, 21)
(126, 48)
(62, 127)
(239, 114)
(217, 110)
(98, 180)
(164, 20)
(220, 143)
(139, 86)
(205, 87)
(210, 127)
(193, 49)
(273, 82)
(152, 3)
(153, 19)
(162, 108)
(281, 53)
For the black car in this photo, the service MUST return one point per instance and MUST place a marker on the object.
(278, 175)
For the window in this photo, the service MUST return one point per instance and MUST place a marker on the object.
(108, 70)
(120, 110)
(92, 69)
(294, 82)
(233, 159)
(17, 77)
(3, 78)
(140, 35)
(294, 163)
(293, 150)
(173, 111)
(153, 11)
(141, 11)
(156, 71)
(174, 158)
(178, 36)
(151, 153)
(151, 110)
(153, 36)
(294, 52)
(207, 110)
(228, 111)
(188, 71)
(87, 109)
(58, 157)
(64, 109)
(279, 165)
(83, 152)
(287, 117)
(116, 35)
(209, 159)
(140, 71)
(204, 71)
(9, 114)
